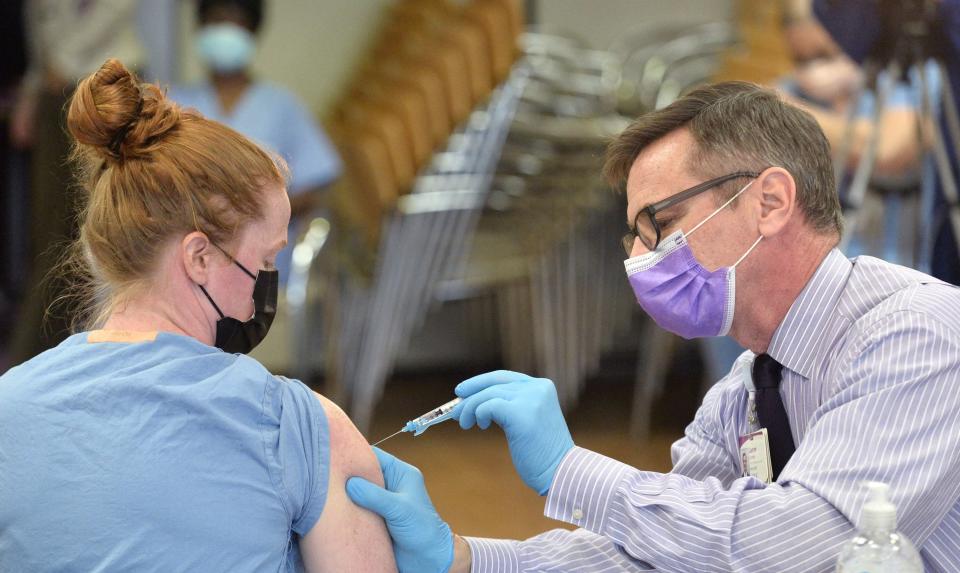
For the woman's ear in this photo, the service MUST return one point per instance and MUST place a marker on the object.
(195, 252)
(778, 195)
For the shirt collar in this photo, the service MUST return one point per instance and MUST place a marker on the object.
(797, 340)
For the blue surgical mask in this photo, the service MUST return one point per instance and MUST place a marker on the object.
(225, 47)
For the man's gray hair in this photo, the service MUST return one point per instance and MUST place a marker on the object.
(739, 126)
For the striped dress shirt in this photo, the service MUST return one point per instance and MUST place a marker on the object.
(871, 384)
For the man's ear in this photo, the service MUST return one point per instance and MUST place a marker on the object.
(196, 254)
(778, 200)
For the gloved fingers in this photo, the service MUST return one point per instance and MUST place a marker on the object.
(546, 391)
(496, 410)
(373, 497)
(473, 385)
(465, 411)
(389, 464)
(398, 475)
(386, 459)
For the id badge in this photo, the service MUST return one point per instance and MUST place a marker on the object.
(755, 456)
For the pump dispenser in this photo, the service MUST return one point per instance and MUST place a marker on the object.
(878, 513)
(878, 548)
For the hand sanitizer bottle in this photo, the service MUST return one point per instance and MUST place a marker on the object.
(878, 548)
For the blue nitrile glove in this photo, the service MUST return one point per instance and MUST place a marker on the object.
(528, 411)
(422, 542)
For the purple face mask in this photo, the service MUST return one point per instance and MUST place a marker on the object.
(679, 293)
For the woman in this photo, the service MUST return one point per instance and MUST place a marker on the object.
(153, 442)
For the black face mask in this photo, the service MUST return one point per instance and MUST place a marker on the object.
(234, 336)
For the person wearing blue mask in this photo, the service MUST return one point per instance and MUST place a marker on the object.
(150, 440)
(850, 375)
(268, 113)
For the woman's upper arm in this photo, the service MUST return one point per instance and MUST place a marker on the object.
(346, 537)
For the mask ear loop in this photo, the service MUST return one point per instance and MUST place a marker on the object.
(244, 269)
(210, 298)
(720, 208)
(750, 250)
(234, 261)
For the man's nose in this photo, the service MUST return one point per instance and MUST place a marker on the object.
(638, 248)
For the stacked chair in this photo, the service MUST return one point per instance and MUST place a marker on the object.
(547, 248)
(420, 129)
(432, 64)
(659, 65)
(473, 153)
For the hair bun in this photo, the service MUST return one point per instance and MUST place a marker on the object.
(116, 116)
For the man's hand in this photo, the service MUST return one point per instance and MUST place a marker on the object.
(528, 411)
(422, 542)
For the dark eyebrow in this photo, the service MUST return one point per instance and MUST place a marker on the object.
(674, 211)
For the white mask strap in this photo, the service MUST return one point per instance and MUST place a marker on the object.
(720, 208)
(750, 250)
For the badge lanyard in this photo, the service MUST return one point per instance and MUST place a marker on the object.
(755, 444)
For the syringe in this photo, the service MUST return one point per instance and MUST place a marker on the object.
(420, 424)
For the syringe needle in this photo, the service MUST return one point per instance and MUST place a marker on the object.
(388, 437)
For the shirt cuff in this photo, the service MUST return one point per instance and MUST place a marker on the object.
(583, 487)
(493, 555)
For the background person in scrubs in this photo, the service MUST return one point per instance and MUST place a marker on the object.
(152, 442)
(267, 113)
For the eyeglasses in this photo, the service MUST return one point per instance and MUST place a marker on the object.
(648, 229)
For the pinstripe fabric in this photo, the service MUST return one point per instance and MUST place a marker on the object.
(871, 384)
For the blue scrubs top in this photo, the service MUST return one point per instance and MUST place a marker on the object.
(158, 455)
(274, 118)
(857, 25)
(905, 94)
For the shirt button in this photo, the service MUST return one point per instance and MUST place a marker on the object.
(578, 514)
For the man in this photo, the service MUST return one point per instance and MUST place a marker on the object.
(866, 355)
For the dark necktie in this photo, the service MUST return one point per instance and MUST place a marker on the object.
(770, 411)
